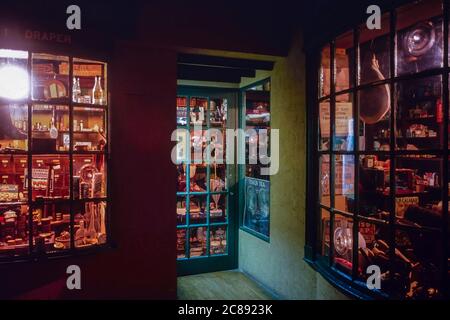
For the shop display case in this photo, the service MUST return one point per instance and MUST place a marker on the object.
(53, 155)
(382, 188)
(255, 187)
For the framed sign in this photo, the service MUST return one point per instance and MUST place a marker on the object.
(257, 206)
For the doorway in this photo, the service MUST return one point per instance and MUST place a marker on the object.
(207, 194)
(207, 217)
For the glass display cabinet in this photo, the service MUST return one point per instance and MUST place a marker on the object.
(53, 155)
(255, 188)
(380, 154)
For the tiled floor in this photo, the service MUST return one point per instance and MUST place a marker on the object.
(224, 285)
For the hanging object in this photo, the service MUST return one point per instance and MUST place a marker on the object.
(343, 241)
(420, 39)
(375, 100)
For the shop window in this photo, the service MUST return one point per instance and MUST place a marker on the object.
(381, 156)
(256, 117)
(53, 153)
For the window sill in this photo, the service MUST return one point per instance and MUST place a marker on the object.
(353, 290)
(60, 255)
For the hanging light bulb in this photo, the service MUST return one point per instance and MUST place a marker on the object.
(14, 82)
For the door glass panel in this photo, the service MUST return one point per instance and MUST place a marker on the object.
(218, 240)
(197, 242)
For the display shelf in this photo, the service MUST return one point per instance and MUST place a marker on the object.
(94, 107)
(59, 101)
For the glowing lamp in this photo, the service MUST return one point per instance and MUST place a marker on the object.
(14, 82)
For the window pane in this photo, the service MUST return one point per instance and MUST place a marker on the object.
(374, 52)
(324, 125)
(215, 145)
(218, 112)
(257, 130)
(420, 40)
(344, 56)
(90, 224)
(13, 187)
(418, 186)
(50, 177)
(343, 243)
(89, 176)
(89, 82)
(217, 178)
(14, 78)
(324, 180)
(257, 108)
(374, 186)
(324, 231)
(375, 111)
(197, 209)
(419, 255)
(197, 241)
(197, 173)
(218, 240)
(181, 111)
(89, 129)
(198, 144)
(181, 243)
(419, 113)
(344, 184)
(181, 178)
(181, 210)
(343, 139)
(218, 207)
(199, 108)
(13, 127)
(51, 227)
(14, 230)
(372, 248)
(50, 77)
(324, 72)
(50, 128)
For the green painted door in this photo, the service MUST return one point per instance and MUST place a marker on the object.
(207, 217)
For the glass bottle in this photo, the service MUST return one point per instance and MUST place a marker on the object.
(91, 232)
(80, 234)
(97, 91)
(76, 90)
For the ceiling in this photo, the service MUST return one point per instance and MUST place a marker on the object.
(218, 69)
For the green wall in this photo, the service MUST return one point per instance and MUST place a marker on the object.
(279, 265)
